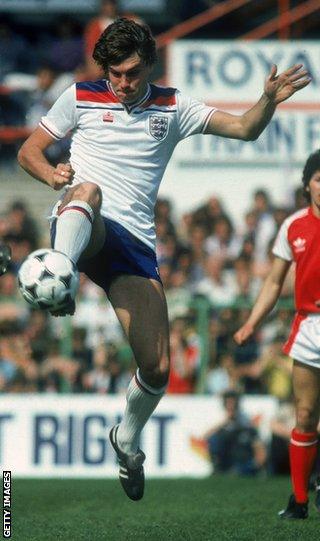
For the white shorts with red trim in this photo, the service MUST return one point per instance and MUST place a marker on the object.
(303, 343)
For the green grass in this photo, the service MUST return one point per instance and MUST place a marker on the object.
(218, 508)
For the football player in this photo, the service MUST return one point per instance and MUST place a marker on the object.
(124, 130)
(298, 241)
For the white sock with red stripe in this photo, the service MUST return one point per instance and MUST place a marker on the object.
(142, 400)
(73, 229)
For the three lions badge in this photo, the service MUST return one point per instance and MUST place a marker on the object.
(158, 126)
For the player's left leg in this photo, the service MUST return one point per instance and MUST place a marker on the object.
(304, 438)
(142, 311)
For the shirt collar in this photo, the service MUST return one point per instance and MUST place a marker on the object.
(130, 106)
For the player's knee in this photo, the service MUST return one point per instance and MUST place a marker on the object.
(89, 192)
(307, 419)
(156, 376)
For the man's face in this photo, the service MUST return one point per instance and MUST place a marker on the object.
(314, 189)
(129, 79)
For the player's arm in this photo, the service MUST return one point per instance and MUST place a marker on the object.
(266, 300)
(32, 159)
(251, 124)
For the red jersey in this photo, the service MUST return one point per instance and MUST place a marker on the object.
(298, 240)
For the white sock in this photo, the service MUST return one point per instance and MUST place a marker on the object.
(142, 400)
(73, 229)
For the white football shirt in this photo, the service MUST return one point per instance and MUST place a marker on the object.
(125, 149)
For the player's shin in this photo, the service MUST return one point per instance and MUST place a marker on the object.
(73, 229)
(142, 399)
(303, 452)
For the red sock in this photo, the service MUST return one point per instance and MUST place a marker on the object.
(303, 452)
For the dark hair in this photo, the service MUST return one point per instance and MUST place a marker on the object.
(122, 39)
(311, 166)
(230, 393)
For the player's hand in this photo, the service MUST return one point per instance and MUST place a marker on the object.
(280, 87)
(317, 303)
(62, 176)
(242, 335)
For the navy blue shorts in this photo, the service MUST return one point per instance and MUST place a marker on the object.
(122, 253)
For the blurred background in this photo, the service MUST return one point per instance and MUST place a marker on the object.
(220, 206)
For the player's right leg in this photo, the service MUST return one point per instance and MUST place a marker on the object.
(79, 230)
(304, 438)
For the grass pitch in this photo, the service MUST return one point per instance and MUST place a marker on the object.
(218, 508)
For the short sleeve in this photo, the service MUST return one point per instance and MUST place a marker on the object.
(281, 247)
(61, 118)
(193, 115)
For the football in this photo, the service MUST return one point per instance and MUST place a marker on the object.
(48, 279)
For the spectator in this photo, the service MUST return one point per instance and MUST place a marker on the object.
(281, 428)
(223, 243)
(249, 234)
(178, 295)
(12, 306)
(66, 51)
(207, 214)
(276, 370)
(246, 359)
(102, 325)
(109, 11)
(244, 279)
(163, 212)
(184, 360)
(8, 368)
(20, 246)
(222, 377)
(21, 222)
(197, 238)
(234, 445)
(59, 373)
(106, 376)
(219, 285)
(266, 226)
(165, 271)
(16, 360)
(98, 379)
(80, 352)
(39, 333)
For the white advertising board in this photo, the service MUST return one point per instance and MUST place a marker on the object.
(67, 436)
(234, 71)
(230, 76)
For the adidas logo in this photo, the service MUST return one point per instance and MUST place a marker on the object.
(299, 244)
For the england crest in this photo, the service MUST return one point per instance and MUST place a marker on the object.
(158, 126)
